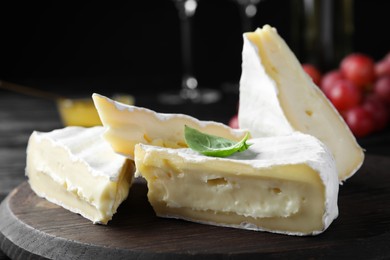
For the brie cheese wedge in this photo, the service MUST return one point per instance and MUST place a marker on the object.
(277, 98)
(76, 169)
(129, 125)
(286, 184)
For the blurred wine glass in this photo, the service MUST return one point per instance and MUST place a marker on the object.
(247, 11)
(190, 91)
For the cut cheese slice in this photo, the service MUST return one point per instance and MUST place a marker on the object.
(129, 125)
(285, 184)
(75, 168)
(277, 97)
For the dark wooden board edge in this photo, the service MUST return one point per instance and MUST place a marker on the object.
(361, 231)
(20, 241)
(34, 244)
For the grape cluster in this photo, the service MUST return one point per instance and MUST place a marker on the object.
(359, 89)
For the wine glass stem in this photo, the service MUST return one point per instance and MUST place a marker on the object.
(186, 49)
(186, 10)
(248, 10)
(245, 19)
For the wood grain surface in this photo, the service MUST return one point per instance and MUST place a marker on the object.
(31, 227)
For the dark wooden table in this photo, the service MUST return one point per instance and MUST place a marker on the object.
(20, 115)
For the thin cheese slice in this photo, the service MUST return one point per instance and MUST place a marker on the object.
(277, 98)
(129, 125)
(75, 168)
(285, 185)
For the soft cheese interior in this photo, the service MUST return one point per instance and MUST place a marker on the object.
(285, 185)
(129, 125)
(277, 97)
(76, 169)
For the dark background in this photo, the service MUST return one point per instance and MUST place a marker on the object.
(135, 46)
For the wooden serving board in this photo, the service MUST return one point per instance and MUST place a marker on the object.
(31, 227)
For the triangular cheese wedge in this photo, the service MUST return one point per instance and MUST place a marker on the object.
(129, 125)
(76, 169)
(277, 98)
(285, 184)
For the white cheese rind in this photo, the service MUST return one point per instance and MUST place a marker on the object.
(86, 146)
(129, 125)
(277, 98)
(76, 168)
(264, 154)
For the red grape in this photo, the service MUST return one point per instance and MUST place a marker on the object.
(344, 95)
(359, 121)
(376, 106)
(387, 57)
(359, 69)
(313, 72)
(382, 88)
(233, 122)
(329, 79)
(382, 68)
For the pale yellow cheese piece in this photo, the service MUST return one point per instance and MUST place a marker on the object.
(285, 185)
(129, 125)
(277, 98)
(76, 168)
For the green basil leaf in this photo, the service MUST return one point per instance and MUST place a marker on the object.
(212, 145)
